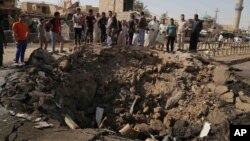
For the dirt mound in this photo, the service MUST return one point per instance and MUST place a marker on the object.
(167, 96)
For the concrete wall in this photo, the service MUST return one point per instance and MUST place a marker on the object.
(111, 5)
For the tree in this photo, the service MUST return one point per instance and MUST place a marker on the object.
(140, 6)
(164, 16)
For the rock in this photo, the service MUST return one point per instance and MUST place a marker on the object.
(211, 86)
(197, 90)
(145, 109)
(149, 139)
(241, 93)
(228, 97)
(156, 125)
(65, 65)
(157, 116)
(190, 67)
(143, 127)
(159, 68)
(221, 89)
(221, 75)
(244, 98)
(243, 106)
(174, 99)
(158, 110)
(237, 100)
(216, 117)
(40, 56)
(168, 122)
(41, 74)
(179, 129)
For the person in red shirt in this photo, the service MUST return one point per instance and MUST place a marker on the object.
(55, 32)
(20, 32)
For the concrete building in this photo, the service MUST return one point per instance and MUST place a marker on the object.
(123, 8)
(41, 9)
(8, 7)
(86, 8)
(238, 10)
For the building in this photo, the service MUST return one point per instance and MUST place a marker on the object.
(123, 8)
(8, 13)
(8, 7)
(86, 8)
(39, 9)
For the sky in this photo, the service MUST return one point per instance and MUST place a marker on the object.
(188, 7)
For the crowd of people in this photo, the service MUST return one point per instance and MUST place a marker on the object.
(108, 30)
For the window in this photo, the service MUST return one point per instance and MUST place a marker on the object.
(128, 5)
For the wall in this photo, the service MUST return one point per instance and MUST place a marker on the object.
(108, 5)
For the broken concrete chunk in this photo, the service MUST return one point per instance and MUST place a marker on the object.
(43, 124)
(243, 106)
(221, 89)
(205, 130)
(221, 75)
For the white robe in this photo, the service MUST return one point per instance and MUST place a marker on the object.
(161, 34)
(153, 27)
(97, 32)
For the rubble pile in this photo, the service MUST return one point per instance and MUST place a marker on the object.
(144, 94)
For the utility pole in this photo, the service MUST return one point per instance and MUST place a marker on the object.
(215, 17)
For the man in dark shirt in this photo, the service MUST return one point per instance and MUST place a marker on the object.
(102, 25)
(196, 29)
(3, 43)
(90, 20)
(142, 26)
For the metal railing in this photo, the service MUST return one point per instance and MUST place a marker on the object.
(224, 49)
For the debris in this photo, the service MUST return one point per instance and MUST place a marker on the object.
(42, 124)
(38, 119)
(12, 113)
(70, 122)
(128, 131)
(133, 105)
(205, 130)
(25, 116)
(98, 115)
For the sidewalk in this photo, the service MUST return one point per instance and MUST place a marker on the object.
(232, 60)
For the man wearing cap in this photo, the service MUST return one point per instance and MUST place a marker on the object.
(20, 32)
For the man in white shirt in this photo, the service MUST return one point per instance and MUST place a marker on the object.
(153, 31)
(182, 28)
(78, 20)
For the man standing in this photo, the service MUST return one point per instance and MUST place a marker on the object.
(142, 26)
(55, 32)
(97, 31)
(154, 28)
(78, 21)
(102, 25)
(131, 28)
(182, 28)
(20, 32)
(42, 34)
(196, 29)
(171, 32)
(90, 20)
(3, 43)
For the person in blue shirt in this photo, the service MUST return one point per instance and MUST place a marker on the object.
(171, 35)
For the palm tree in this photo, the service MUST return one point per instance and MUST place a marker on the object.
(139, 6)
